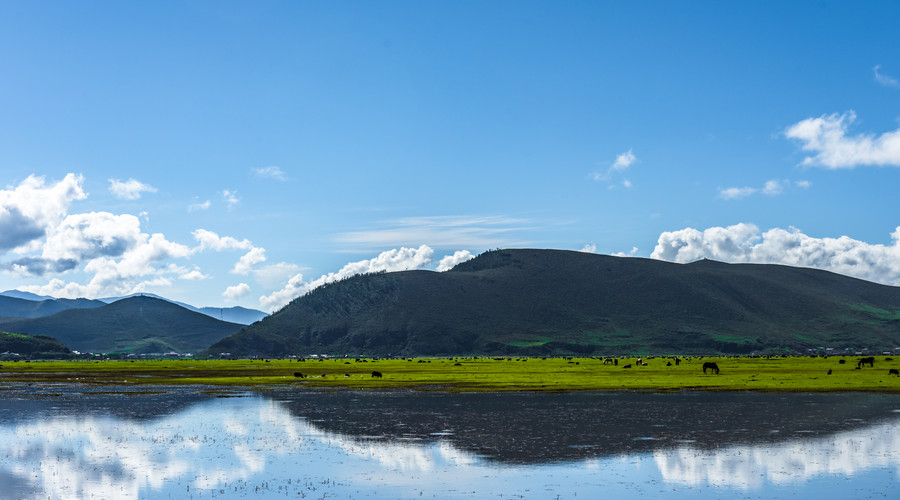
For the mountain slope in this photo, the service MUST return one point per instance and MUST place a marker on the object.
(135, 325)
(12, 307)
(234, 314)
(551, 301)
(31, 345)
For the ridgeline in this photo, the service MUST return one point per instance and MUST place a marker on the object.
(553, 302)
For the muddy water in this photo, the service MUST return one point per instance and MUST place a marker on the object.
(64, 442)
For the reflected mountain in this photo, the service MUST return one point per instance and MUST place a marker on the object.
(77, 443)
(524, 428)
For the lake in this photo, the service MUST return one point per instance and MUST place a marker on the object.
(85, 442)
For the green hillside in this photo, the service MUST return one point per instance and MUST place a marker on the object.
(14, 307)
(134, 325)
(31, 345)
(555, 302)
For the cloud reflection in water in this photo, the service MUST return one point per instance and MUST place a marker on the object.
(257, 447)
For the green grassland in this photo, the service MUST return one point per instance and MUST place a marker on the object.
(790, 374)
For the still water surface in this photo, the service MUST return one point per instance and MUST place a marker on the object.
(65, 442)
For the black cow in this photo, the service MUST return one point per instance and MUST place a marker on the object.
(866, 361)
(894, 371)
(711, 366)
(376, 374)
(298, 374)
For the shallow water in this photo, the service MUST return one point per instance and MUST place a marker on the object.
(65, 442)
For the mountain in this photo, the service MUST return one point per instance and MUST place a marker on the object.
(12, 307)
(134, 325)
(19, 294)
(235, 314)
(31, 345)
(556, 302)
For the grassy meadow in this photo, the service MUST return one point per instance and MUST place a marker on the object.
(791, 374)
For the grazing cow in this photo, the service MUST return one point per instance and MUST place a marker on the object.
(842, 361)
(894, 371)
(711, 366)
(376, 374)
(607, 361)
(669, 363)
(298, 375)
(866, 361)
(627, 366)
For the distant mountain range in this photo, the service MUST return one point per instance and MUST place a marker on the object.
(30, 305)
(536, 302)
(133, 325)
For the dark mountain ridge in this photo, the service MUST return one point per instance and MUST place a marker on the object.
(557, 302)
(135, 325)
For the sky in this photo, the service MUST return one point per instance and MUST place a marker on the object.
(242, 153)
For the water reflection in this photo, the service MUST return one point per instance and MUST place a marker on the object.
(183, 443)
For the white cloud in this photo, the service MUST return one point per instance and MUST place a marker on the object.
(28, 210)
(231, 198)
(110, 248)
(211, 240)
(235, 292)
(772, 187)
(441, 232)
(883, 79)
(826, 136)
(401, 259)
(734, 193)
(199, 206)
(130, 189)
(448, 261)
(270, 173)
(745, 243)
(194, 275)
(632, 253)
(589, 248)
(274, 275)
(622, 163)
(255, 256)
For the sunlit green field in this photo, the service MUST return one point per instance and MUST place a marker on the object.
(481, 374)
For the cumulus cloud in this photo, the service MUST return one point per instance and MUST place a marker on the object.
(235, 292)
(398, 259)
(28, 210)
(826, 137)
(772, 187)
(130, 189)
(112, 249)
(194, 275)
(883, 79)
(211, 240)
(746, 243)
(449, 261)
(631, 253)
(245, 264)
(589, 248)
(270, 173)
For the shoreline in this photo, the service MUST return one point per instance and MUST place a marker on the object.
(655, 374)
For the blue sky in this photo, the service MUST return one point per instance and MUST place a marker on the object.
(240, 153)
